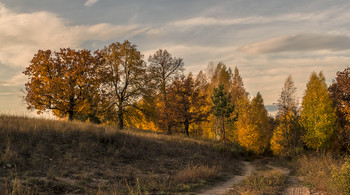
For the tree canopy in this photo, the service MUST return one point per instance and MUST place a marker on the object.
(287, 134)
(222, 108)
(124, 77)
(186, 102)
(164, 69)
(64, 82)
(254, 131)
(318, 116)
(340, 93)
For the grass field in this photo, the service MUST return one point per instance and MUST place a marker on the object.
(38, 155)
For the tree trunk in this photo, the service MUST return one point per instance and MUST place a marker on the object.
(187, 124)
(163, 91)
(71, 109)
(70, 115)
(169, 130)
(223, 133)
(120, 118)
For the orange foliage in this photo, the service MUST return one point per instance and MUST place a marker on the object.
(64, 82)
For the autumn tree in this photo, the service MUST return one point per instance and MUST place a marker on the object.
(340, 93)
(239, 97)
(64, 82)
(287, 134)
(222, 108)
(202, 81)
(217, 74)
(254, 131)
(318, 116)
(237, 88)
(220, 74)
(164, 69)
(124, 78)
(186, 102)
(204, 128)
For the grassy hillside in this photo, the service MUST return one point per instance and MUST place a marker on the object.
(69, 157)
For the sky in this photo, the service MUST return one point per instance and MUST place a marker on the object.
(267, 40)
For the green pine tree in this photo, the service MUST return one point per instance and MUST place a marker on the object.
(222, 108)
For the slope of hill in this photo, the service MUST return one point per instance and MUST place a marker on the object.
(69, 157)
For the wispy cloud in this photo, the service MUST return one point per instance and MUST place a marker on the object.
(210, 21)
(16, 80)
(90, 3)
(331, 15)
(298, 42)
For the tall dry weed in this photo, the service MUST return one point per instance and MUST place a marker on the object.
(324, 172)
(193, 173)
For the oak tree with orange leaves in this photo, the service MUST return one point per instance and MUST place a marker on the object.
(63, 82)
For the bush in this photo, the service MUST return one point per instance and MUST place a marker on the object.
(325, 172)
(341, 177)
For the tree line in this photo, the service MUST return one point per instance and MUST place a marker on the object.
(115, 85)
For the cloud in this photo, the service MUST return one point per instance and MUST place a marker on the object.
(23, 34)
(298, 42)
(193, 55)
(266, 74)
(16, 80)
(293, 17)
(90, 3)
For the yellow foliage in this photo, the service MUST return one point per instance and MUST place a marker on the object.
(286, 135)
(277, 141)
(253, 129)
(207, 127)
(149, 125)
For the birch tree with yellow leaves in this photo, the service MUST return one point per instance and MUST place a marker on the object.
(318, 114)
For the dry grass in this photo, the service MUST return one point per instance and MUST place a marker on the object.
(72, 157)
(324, 172)
(193, 173)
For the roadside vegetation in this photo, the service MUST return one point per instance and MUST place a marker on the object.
(325, 172)
(262, 180)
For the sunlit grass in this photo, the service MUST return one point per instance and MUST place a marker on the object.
(73, 157)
